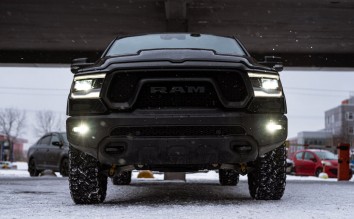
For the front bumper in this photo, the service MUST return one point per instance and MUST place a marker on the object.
(104, 143)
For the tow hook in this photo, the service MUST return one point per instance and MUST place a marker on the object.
(112, 171)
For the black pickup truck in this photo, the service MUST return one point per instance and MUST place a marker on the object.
(176, 103)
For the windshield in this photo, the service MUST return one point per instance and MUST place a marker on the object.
(326, 155)
(132, 45)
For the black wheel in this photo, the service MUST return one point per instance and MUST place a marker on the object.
(87, 182)
(64, 167)
(318, 172)
(228, 177)
(123, 178)
(267, 180)
(32, 169)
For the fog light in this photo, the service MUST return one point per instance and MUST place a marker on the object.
(273, 127)
(82, 129)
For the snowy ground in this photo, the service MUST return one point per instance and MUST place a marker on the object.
(200, 196)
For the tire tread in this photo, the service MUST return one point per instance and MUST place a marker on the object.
(88, 185)
(228, 177)
(267, 181)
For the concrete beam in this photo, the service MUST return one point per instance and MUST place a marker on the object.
(305, 33)
(176, 16)
(176, 9)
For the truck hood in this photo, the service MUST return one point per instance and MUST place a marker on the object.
(175, 57)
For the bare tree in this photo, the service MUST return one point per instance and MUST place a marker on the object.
(12, 124)
(47, 121)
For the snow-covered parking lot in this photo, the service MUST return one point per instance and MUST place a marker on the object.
(200, 196)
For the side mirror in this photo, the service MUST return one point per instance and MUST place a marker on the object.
(273, 62)
(57, 143)
(79, 63)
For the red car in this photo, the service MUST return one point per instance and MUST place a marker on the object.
(311, 162)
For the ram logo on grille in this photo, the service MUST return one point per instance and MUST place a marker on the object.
(181, 90)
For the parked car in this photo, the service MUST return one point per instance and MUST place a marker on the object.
(7, 165)
(312, 162)
(50, 152)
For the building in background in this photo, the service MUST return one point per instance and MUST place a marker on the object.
(340, 122)
(18, 153)
(312, 140)
(339, 128)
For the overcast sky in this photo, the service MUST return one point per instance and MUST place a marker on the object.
(309, 94)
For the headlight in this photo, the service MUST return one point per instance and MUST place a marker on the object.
(87, 86)
(265, 85)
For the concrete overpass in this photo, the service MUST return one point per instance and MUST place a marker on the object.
(303, 32)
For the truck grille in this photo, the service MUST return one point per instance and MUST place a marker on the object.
(126, 87)
(177, 94)
(178, 131)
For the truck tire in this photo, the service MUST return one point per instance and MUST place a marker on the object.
(87, 182)
(64, 167)
(228, 177)
(123, 178)
(267, 180)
